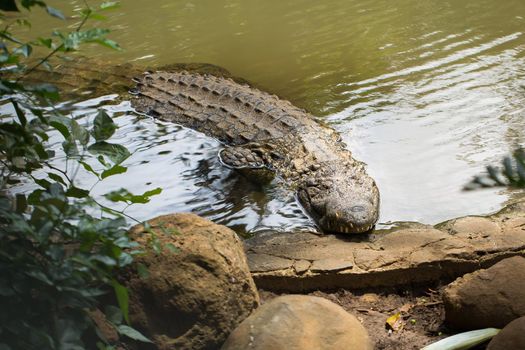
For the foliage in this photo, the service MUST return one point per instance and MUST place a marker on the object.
(465, 340)
(56, 256)
(512, 174)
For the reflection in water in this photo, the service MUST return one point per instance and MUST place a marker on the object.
(426, 92)
(185, 164)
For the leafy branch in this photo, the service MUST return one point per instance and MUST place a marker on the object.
(511, 174)
(56, 258)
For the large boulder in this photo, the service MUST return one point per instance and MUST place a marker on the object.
(299, 322)
(510, 337)
(197, 288)
(487, 298)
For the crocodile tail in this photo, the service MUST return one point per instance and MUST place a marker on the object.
(82, 77)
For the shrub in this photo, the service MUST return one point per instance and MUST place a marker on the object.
(56, 256)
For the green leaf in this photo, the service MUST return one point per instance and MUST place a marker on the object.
(132, 333)
(117, 169)
(55, 13)
(102, 161)
(34, 197)
(8, 59)
(43, 183)
(109, 44)
(42, 152)
(69, 335)
(79, 133)
(113, 314)
(519, 157)
(509, 171)
(61, 127)
(39, 275)
(153, 192)
(124, 195)
(125, 242)
(76, 192)
(57, 178)
(104, 259)
(116, 153)
(89, 168)
(103, 126)
(464, 340)
(25, 50)
(125, 259)
(121, 195)
(70, 147)
(19, 113)
(95, 16)
(72, 40)
(169, 231)
(47, 42)
(495, 175)
(121, 293)
(45, 90)
(23, 22)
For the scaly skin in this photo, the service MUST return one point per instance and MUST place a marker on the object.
(260, 131)
(263, 131)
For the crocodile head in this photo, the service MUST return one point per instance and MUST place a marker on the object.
(341, 200)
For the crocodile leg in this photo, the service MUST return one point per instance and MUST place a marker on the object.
(245, 156)
(250, 160)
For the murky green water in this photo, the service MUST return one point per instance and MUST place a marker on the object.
(426, 92)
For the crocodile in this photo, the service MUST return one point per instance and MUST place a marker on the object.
(260, 132)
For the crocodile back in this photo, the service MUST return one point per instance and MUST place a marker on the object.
(220, 107)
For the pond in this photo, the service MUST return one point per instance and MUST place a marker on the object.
(426, 92)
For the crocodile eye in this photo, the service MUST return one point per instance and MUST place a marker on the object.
(258, 152)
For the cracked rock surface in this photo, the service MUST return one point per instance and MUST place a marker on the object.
(410, 253)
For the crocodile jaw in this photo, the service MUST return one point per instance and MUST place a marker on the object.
(357, 218)
(343, 206)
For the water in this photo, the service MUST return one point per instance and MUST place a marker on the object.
(426, 92)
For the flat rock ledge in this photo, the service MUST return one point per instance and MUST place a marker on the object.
(410, 253)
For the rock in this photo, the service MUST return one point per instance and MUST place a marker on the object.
(510, 337)
(329, 264)
(406, 254)
(299, 322)
(487, 298)
(370, 298)
(195, 293)
(474, 225)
